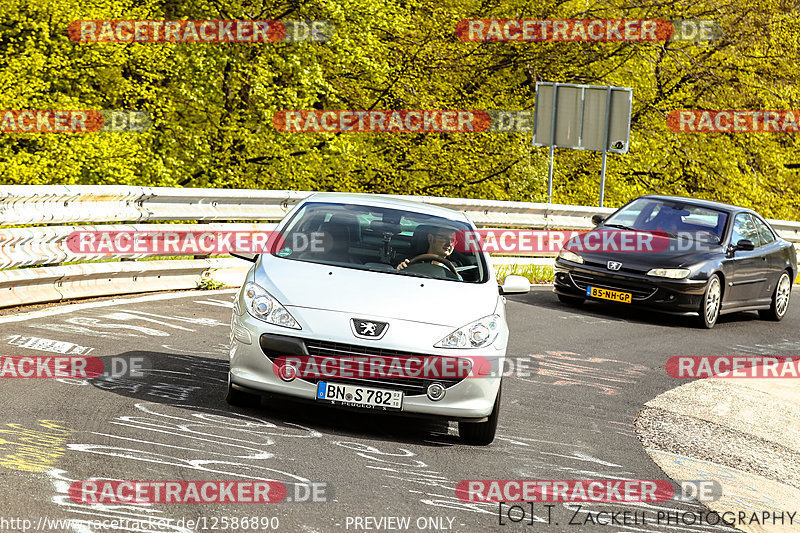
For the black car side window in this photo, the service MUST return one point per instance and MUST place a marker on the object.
(764, 232)
(743, 228)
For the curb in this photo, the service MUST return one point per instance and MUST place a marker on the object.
(744, 433)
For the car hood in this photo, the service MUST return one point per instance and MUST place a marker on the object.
(298, 284)
(666, 253)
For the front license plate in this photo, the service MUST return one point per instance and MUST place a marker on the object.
(358, 396)
(606, 294)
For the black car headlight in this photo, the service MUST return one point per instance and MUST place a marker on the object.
(566, 255)
(672, 273)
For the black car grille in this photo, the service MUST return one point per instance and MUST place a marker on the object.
(639, 291)
(409, 386)
(622, 269)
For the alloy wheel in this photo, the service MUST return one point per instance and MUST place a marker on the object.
(713, 300)
(782, 294)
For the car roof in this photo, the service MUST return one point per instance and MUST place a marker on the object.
(388, 201)
(700, 203)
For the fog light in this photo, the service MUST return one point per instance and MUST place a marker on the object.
(287, 372)
(436, 391)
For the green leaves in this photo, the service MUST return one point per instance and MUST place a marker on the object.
(213, 103)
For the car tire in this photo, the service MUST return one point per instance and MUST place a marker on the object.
(481, 433)
(780, 299)
(239, 398)
(712, 303)
(570, 300)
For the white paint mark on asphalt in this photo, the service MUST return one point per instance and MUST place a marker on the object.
(220, 349)
(561, 368)
(70, 308)
(785, 347)
(583, 457)
(590, 319)
(209, 440)
(200, 321)
(166, 391)
(518, 443)
(258, 454)
(212, 301)
(143, 512)
(82, 330)
(95, 322)
(417, 473)
(569, 444)
(48, 345)
(122, 316)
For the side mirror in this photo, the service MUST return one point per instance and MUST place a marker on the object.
(745, 245)
(515, 285)
(598, 219)
(246, 256)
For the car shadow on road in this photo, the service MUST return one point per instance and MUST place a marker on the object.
(545, 298)
(192, 382)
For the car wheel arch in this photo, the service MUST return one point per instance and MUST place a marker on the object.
(792, 276)
(722, 285)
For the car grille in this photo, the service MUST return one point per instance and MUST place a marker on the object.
(638, 291)
(409, 386)
(624, 268)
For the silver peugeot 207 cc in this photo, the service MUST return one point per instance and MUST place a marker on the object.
(371, 302)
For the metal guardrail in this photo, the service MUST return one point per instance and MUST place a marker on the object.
(50, 284)
(33, 204)
(48, 245)
(58, 204)
(54, 204)
(134, 208)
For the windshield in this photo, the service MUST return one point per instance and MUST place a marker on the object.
(379, 239)
(676, 219)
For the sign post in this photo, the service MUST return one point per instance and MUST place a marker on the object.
(582, 117)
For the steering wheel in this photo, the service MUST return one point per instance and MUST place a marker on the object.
(431, 258)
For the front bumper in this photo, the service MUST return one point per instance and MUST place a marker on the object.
(252, 365)
(682, 296)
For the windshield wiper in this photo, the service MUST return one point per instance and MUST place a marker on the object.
(414, 274)
(620, 226)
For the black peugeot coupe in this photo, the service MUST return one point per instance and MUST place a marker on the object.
(680, 255)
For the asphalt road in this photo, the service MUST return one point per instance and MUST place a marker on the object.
(571, 419)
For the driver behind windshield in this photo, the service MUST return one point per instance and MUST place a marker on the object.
(440, 243)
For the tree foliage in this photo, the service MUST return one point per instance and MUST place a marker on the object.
(213, 103)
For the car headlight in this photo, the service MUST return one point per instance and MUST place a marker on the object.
(261, 305)
(570, 256)
(674, 273)
(482, 332)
